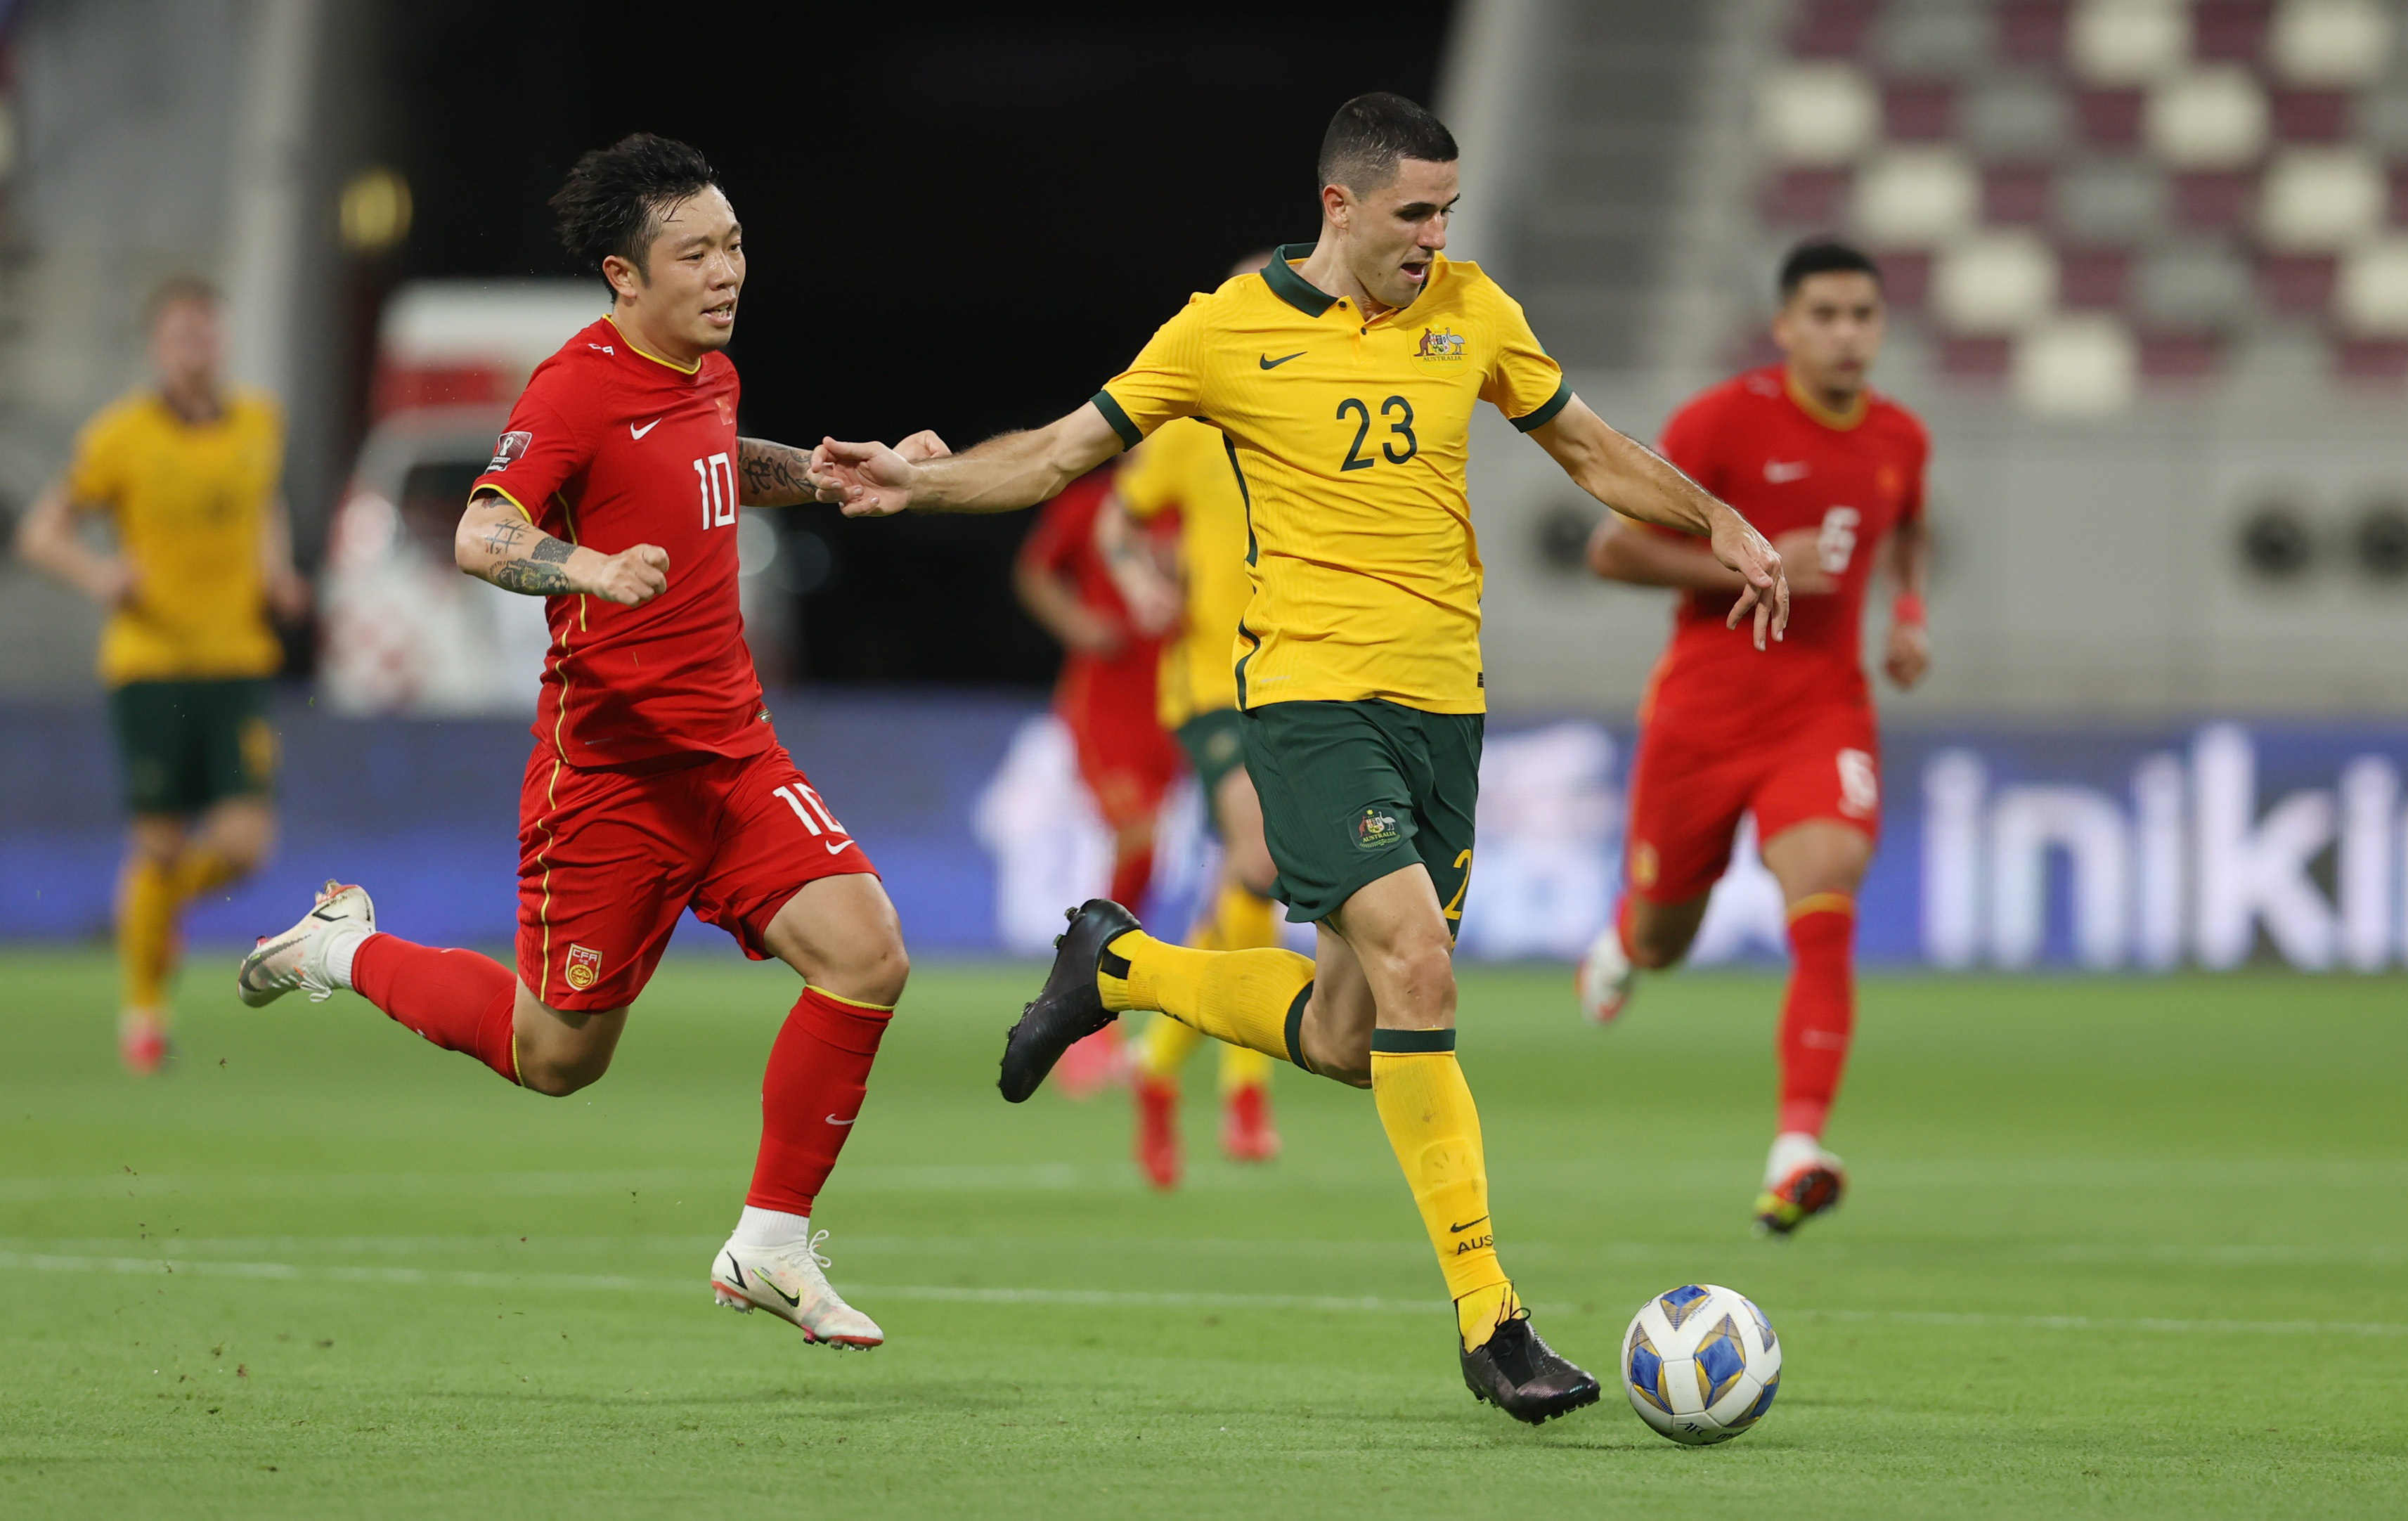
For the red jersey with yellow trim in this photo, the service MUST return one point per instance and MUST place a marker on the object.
(609, 448)
(1787, 464)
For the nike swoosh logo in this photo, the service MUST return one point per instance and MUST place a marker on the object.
(646, 428)
(737, 1268)
(250, 963)
(834, 849)
(792, 1299)
(833, 1120)
(1269, 363)
(1457, 1230)
(1782, 472)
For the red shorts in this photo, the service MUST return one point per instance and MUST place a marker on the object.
(1128, 764)
(1687, 794)
(608, 859)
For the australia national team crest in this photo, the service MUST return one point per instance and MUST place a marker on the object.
(1441, 345)
(584, 966)
(1375, 828)
(509, 446)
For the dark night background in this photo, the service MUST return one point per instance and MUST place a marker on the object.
(953, 219)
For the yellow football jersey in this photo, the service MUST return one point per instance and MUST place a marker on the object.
(1350, 437)
(1186, 465)
(189, 503)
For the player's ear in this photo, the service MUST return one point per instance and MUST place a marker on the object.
(1337, 204)
(625, 277)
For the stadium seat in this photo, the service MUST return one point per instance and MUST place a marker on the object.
(2111, 201)
(1976, 357)
(1906, 278)
(2032, 31)
(2380, 121)
(1933, 39)
(2371, 293)
(2215, 200)
(2128, 42)
(2178, 358)
(2190, 287)
(2207, 118)
(1916, 197)
(2329, 42)
(1820, 114)
(1994, 282)
(2015, 117)
(2077, 367)
(2397, 199)
(1806, 198)
(2371, 361)
(2322, 198)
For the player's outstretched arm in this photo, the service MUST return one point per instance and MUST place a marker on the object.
(494, 542)
(1015, 470)
(1906, 655)
(1636, 481)
(46, 540)
(780, 475)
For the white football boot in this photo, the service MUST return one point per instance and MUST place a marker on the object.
(1606, 978)
(789, 1283)
(296, 959)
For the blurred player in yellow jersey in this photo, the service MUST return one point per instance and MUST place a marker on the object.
(186, 471)
(1185, 467)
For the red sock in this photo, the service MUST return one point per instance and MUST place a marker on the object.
(1130, 878)
(1821, 1011)
(819, 1070)
(458, 999)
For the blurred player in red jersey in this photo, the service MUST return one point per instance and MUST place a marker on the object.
(1832, 473)
(1106, 698)
(656, 783)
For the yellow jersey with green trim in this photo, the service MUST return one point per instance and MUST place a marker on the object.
(1186, 465)
(189, 502)
(1350, 436)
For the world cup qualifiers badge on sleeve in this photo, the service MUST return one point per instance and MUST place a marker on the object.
(509, 446)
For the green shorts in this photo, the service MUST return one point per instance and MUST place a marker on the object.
(188, 744)
(1215, 743)
(1352, 791)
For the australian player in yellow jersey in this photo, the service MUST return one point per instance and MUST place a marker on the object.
(1343, 378)
(186, 472)
(1185, 467)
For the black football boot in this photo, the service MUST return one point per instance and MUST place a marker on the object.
(1522, 1375)
(1069, 1007)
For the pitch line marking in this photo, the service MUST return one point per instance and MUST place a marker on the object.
(1114, 1298)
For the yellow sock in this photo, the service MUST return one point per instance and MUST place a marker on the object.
(1166, 1047)
(1244, 919)
(199, 869)
(1245, 998)
(1426, 1109)
(1243, 1069)
(146, 928)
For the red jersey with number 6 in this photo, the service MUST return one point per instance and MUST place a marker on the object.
(1787, 464)
(610, 447)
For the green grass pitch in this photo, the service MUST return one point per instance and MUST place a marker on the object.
(2116, 1248)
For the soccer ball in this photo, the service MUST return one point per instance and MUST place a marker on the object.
(1700, 1363)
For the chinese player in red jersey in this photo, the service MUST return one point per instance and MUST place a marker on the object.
(1832, 473)
(1106, 698)
(656, 783)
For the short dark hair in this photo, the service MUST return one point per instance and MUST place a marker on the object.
(175, 291)
(1824, 256)
(1371, 133)
(612, 200)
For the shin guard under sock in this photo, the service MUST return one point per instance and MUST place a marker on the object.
(1818, 1016)
(1246, 997)
(819, 1071)
(1425, 1107)
(457, 999)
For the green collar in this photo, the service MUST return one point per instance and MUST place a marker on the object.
(1293, 288)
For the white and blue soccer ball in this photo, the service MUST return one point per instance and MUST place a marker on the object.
(1700, 1363)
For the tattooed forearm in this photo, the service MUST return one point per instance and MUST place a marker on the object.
(539, 575)
(502, 538)
(773, 475)
(552, 551)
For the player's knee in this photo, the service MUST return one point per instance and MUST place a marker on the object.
(1655, 949)
(558, 1077)
(874, 971)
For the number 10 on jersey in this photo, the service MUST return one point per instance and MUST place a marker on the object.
(718, 477)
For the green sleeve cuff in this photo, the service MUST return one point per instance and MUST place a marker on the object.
(1547, 413)
(1131, 436)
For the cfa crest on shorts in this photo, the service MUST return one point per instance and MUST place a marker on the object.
(583, 968)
